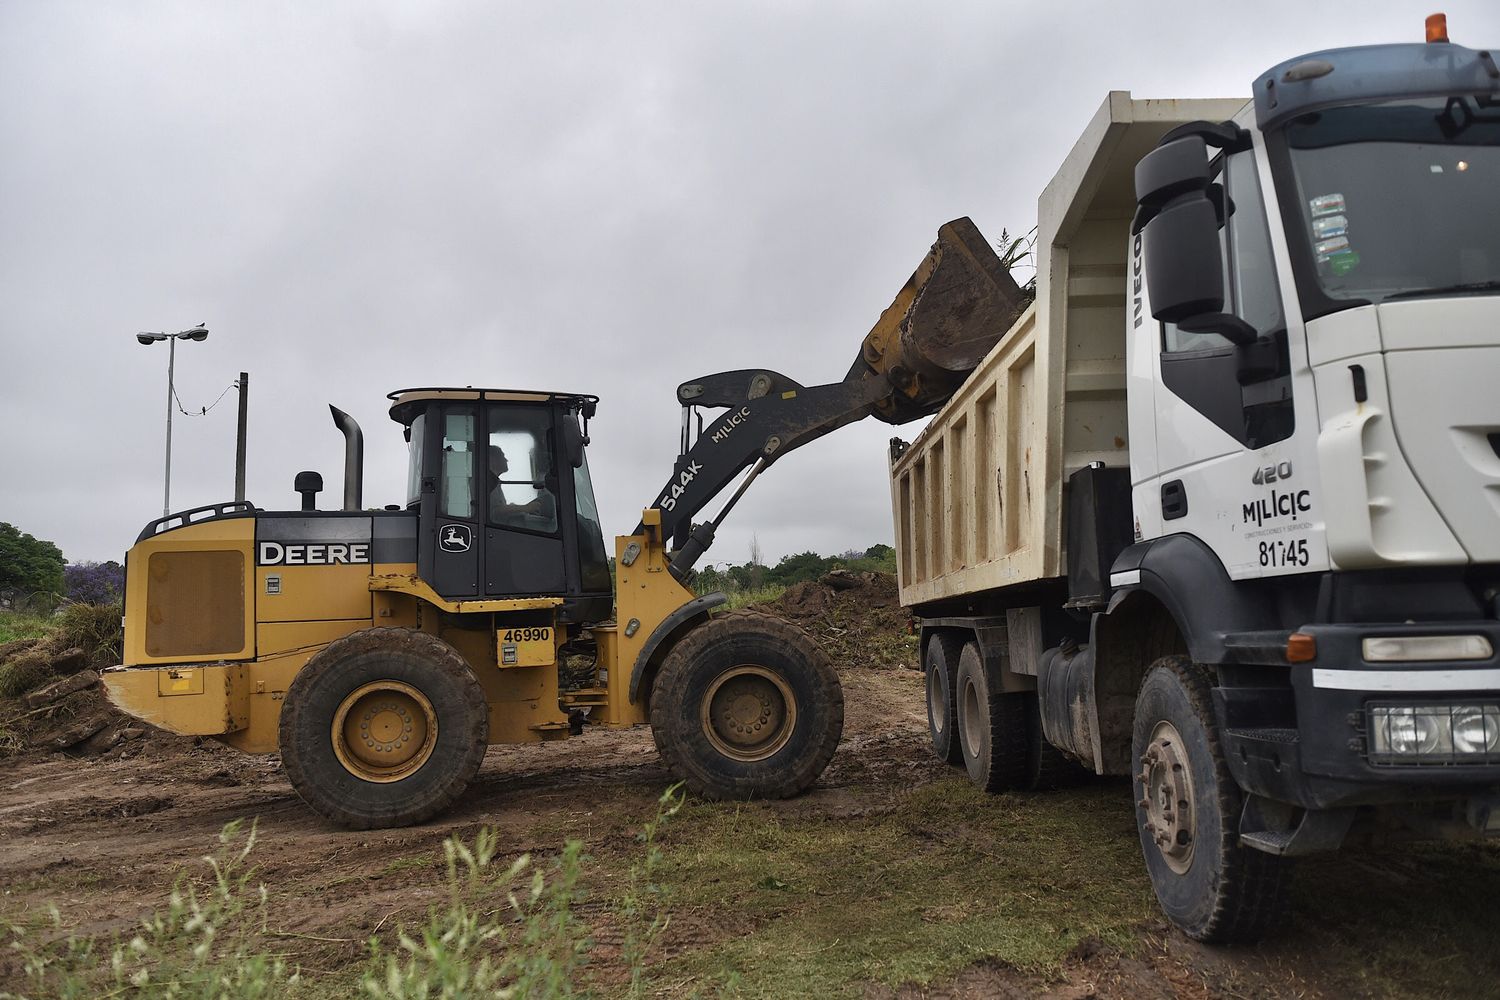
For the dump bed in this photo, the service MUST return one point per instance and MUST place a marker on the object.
(978, 496)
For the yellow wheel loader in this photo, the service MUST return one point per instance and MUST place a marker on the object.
(380, 651)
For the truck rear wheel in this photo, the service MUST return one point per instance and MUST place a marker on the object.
(385, 727)
(1187, 812)
(941, 671)
(747, 706)
(992, 727)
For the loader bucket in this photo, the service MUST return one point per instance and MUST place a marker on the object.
(951, 311)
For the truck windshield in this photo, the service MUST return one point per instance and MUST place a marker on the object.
(1399, 199)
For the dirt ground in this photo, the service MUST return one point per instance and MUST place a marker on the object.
(101, 830)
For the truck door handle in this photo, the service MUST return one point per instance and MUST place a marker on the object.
(1173, 500)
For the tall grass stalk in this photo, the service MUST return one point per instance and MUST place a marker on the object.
(529, 946)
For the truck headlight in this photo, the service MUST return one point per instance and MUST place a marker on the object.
(1434, 734)
(1476, 729)
(1425, 648)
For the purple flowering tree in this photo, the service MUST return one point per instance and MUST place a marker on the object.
(95, 582)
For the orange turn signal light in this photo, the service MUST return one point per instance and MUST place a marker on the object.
(1301, 648)
(1437, 27)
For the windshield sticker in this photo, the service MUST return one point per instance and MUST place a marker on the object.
(1327, 248)
(1330, 225)
(1327, 204)
(1343, 262)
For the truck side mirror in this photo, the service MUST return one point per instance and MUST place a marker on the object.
(1176, 209)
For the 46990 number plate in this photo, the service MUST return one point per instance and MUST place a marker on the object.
(529, 646)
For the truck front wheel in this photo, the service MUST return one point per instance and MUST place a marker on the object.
(1187, 812)
(747, 706)
(384, 727)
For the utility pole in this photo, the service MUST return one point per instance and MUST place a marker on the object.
(239, 438)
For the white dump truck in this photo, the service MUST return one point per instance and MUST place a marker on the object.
(1221, 510)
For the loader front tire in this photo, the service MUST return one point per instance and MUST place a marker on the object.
(385, 727)
(747, 706)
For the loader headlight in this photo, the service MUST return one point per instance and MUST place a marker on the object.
(1434, 734)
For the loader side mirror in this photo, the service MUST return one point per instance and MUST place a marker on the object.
(572, 441)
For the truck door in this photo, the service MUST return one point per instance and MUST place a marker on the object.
(1236, 428)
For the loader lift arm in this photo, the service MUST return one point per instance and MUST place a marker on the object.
(951, 311)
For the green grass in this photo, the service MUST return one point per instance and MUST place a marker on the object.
(748, 598)
(15, 625)
(946, 878)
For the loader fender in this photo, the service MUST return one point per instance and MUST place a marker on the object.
(664, 637)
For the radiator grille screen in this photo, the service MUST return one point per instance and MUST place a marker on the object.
(195, 603)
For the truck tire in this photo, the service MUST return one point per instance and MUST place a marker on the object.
(941, 673)
(747, 706)
(385, 727)
(1188, 810)
(992, 726)
(1047, 768)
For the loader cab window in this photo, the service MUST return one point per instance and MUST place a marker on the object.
(458, 463)
(593, 561)
(1245, 391)
(416, 435)
(521, 483)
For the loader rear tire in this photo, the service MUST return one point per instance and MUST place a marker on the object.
(385, 727)
(747, 706)
(993, 730)
(941, 663)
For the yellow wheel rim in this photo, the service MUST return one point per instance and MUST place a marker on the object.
(748, 713)
(384, 731)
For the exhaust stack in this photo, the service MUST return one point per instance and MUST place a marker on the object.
(354, 457)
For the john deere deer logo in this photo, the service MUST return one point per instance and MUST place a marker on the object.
(454, 538)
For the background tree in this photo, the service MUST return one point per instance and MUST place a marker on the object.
(29, 564)
(95, 582)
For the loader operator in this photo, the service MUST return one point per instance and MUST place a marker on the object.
(540, 512)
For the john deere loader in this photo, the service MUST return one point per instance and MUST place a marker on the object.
(380, 651)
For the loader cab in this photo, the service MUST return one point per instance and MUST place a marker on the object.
(505, 508)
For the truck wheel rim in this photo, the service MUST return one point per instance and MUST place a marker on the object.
(384, 731)
(974, 719)
(1167, 796)
(937, 708)
(748, 713)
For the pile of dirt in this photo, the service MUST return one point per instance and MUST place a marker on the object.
(51, 700)
(856, 617)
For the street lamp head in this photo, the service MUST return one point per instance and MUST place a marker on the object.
(150, 338)
(199, 332)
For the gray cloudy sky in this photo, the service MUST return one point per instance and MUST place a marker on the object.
(607, 198)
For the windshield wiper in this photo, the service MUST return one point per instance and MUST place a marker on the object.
(1470, 286)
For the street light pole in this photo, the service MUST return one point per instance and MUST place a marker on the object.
(199, 332)
(166, 494)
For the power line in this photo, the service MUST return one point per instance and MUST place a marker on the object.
(202, 411)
